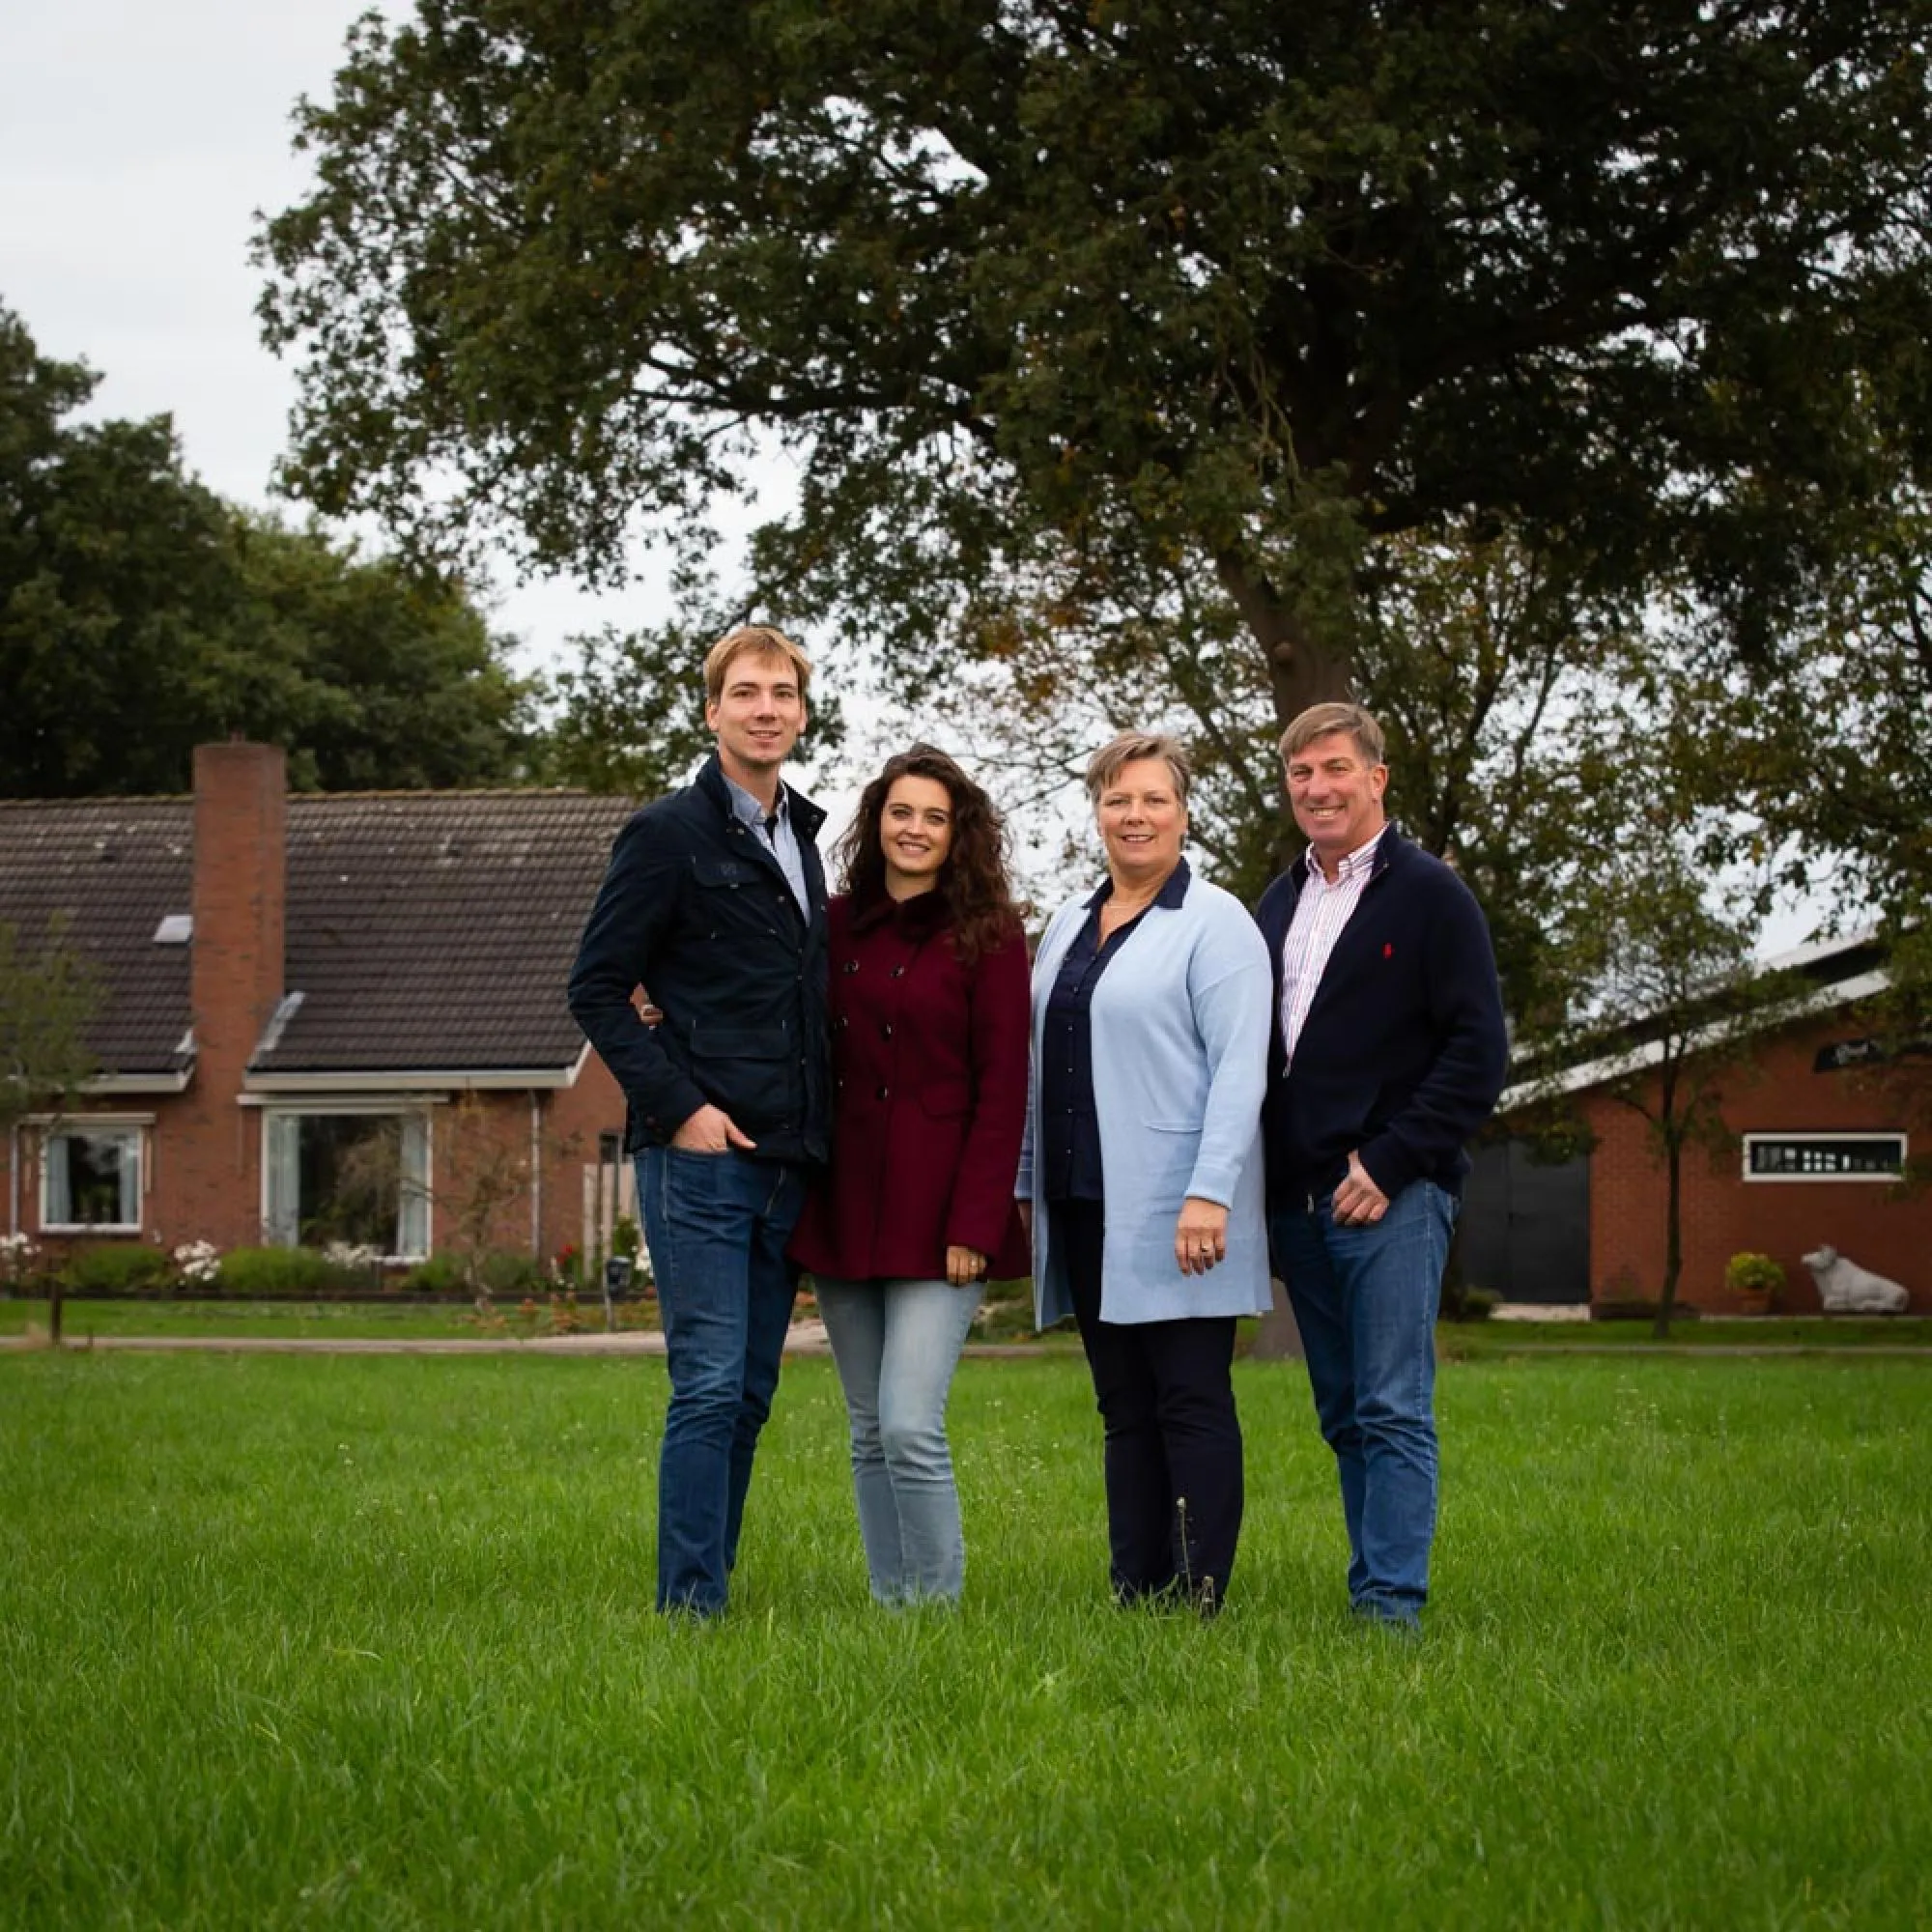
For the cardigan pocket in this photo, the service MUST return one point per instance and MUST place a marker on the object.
(1170, 1152)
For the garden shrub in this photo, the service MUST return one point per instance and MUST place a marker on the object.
(266, 1272)
(1753, 1273)
(1478, 1304)
(506, 1272)
(117, 1268)
(437, 1274)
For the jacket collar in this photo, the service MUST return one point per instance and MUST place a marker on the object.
(806, 816)
(1392, 848)
(915, 919)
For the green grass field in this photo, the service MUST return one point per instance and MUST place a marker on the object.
(303, 1320)
(293, 1642)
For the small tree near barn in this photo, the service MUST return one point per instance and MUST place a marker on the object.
(1666, 995)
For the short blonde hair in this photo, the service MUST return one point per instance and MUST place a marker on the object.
(1323, 721)
(767, 640)
(1129, 747)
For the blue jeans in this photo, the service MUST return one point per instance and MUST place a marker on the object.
(1365, 1300)
(717, 1225)
(896, 1344)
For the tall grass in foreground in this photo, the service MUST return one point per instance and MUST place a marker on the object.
(367, 1642)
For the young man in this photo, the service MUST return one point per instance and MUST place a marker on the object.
(714, 900)
(1388, 1053)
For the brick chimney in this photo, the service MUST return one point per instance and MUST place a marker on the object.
(241, 893)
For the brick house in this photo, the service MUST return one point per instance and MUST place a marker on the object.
(323, 1016)
(1821, 1138)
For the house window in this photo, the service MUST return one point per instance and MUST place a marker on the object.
(340, 1175)
(1823, 1157)
(91, 1177)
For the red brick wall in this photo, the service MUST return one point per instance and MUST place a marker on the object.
(1723, 1214)
(164, 1156)
(484, 1138)
(182, 1200)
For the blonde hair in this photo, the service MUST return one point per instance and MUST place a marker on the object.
(1129, 747)
(767, 640)
(1323, 721)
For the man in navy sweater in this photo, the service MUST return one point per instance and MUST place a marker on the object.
(1388, 1053)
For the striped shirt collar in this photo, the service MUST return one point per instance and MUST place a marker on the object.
(1357, 861)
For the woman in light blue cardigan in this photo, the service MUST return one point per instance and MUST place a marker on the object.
(1141, 1169)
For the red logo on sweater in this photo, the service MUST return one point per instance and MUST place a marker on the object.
(1388, 950)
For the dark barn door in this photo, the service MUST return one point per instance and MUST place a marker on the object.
(1527, 1227)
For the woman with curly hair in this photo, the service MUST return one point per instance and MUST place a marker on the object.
(928, 1015)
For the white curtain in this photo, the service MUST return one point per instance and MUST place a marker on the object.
(58, 1209)
(282, 1221)
(128, 1151)
(413, 1216)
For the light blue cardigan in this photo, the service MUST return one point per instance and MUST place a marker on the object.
(1181, 1024)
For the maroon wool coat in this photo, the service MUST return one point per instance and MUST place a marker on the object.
(930, 1083)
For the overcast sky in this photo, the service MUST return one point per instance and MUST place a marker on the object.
(137, 140)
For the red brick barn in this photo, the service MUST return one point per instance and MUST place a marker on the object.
(1820, 1135)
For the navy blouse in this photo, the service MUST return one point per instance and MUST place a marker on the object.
(1069, 1152)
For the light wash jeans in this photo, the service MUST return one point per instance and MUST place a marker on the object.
(896, 1344)
(1365, 1301)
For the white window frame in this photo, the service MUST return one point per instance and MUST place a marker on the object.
(412, 1107)
(1886, 1179)
(134, 1132)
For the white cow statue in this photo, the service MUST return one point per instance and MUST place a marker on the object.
(1844, 1288)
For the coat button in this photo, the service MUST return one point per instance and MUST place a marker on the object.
(884, 1092)
(898, 972)
(885, 1028)
(851, 965)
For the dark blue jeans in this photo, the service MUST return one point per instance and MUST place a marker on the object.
(717, 1225)
(1365, 1300)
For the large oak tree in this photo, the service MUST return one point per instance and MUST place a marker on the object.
(1055, 301)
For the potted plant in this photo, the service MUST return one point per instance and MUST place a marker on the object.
(1753, 1278)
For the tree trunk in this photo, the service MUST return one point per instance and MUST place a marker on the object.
(1303, 667)
(1673, 1237)
(1278, 1338)
(1302, 670)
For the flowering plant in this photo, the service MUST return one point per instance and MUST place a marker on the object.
(17, 1255)
(351, 1255)
(197, 1261)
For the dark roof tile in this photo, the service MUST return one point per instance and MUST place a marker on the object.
(426, 930)
(114, 868)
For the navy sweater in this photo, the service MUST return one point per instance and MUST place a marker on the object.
(1403, 1053)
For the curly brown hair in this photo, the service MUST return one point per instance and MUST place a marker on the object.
(975, 887)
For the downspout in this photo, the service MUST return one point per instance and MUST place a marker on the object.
(536, 1174)
(13, 1179)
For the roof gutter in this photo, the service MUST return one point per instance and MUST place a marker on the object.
(138, 1083)
(482, 1079)
(1616, 1066)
